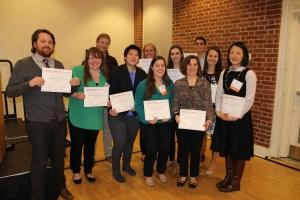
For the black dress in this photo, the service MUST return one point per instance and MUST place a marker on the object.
(234, 139)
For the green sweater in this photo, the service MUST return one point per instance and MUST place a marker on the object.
(139, 99)
(85, 117)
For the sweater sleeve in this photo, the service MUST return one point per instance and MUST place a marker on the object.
(17, 84)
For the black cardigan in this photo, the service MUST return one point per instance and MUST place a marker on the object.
(121, 82)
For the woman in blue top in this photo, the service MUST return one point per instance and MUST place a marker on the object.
(85, 122)
(156, 133)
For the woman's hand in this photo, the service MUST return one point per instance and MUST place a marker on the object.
(113, 112)
(78, 95)
(230, 118)
(74, 81)
(207, 124)
(177, 119)
(153, 121)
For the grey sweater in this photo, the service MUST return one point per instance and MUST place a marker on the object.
(39, 106)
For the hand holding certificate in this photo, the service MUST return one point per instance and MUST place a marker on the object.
(56, 80)
(233, 105)
(122, 102)
(192, 119)
(157, 109)
(95, 96)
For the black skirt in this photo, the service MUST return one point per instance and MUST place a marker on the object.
(234, 139)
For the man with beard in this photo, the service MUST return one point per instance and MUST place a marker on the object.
(45, 114)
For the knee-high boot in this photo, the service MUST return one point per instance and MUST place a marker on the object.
(229, 165)
(234, 185)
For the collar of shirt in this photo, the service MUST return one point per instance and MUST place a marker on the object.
(38, 59)
(239, 69)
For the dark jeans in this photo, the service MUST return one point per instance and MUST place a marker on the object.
(189, 142)
(142, 143)
(123, 130)
(82, 138)
(48, 141)
(157, 143)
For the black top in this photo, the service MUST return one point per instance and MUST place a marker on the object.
(121, 82)
(238, 75)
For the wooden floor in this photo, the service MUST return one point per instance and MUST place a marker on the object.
(262, 180)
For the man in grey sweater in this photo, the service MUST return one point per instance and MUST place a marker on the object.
(45, 114)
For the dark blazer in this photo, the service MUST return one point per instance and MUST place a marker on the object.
(120, 80)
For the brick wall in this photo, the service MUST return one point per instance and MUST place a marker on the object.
(221, 22)
(138, 22)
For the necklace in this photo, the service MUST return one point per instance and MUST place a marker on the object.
(226, 77)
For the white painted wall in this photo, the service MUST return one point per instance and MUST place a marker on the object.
(157, 24)
(75, 24)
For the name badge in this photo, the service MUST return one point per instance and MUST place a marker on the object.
(236, 85)
(162, 89)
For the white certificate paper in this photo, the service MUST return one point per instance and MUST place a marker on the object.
(233, 105)
(192, 119)
(95, 96)
(175, 74)
(122, 102)
(213, 92)
(56, 80)
(144, 64)
(159, 109)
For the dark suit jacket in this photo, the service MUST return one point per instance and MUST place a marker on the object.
(121, 82)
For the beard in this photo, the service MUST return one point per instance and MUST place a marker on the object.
(45, 52)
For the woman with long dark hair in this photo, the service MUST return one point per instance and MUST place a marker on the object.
(156, 133)
(211, 71)
(85, 123)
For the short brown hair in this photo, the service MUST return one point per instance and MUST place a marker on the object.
(103, 35)
(186, 61)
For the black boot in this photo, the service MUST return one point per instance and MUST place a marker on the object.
(234, 185)
(229, 164)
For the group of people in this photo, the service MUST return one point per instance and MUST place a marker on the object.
(232, 136)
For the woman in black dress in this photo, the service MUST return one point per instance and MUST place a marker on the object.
(235, 133)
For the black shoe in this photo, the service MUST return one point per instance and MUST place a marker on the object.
(66, 194)
(119, 177)
(90, 178)
(181, 182)
(77, 181)
(129, 171)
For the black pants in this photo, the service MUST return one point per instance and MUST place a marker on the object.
(82, 138)
(123, 131)
(48, 141)
(189, 142)
(174, 127)
(157, 143)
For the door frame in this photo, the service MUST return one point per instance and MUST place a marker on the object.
(285, 79)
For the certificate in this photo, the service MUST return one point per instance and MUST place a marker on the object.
(56, 80)
(189, 54)
(213, 92)
(123, 101)
(95, 96)
(144, 64)
(175, 74)
(233, 105)
(159, 109)
(192, 120)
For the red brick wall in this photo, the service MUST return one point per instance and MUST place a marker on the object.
(138, 22)
(221, 22)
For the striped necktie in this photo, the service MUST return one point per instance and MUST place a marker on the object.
(46, 62)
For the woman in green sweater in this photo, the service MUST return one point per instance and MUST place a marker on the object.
(85, 122)
(156, 133)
